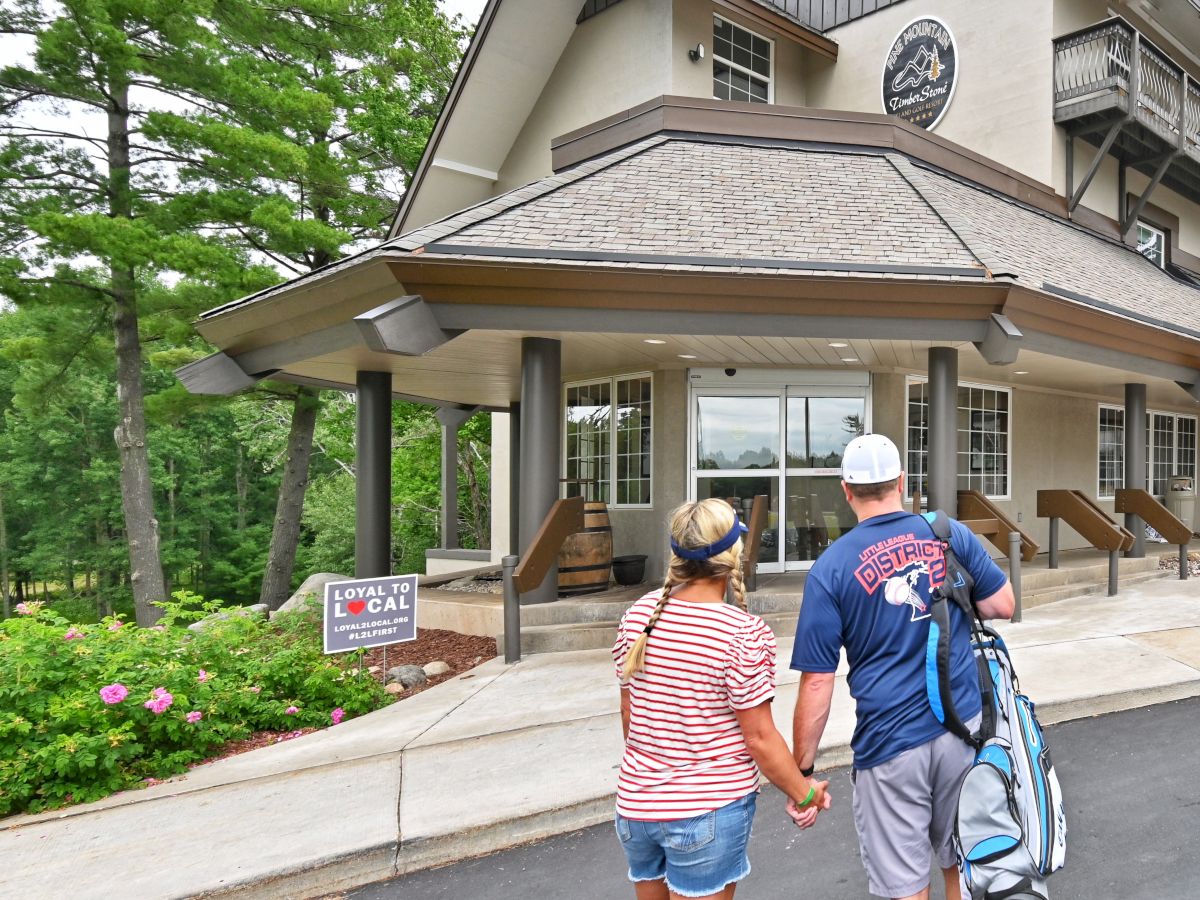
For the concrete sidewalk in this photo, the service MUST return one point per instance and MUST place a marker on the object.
(502, 755)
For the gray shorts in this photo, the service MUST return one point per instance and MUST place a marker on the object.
(904, 810)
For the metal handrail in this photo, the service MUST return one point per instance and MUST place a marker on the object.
(1106, 59)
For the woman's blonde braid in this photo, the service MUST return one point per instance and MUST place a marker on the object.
(636, 660)
(737, 582)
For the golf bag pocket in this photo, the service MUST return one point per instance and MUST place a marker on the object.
(989, 836)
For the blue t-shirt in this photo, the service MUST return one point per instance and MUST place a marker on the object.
(870, 592)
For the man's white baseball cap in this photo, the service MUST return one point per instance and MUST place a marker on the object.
(870, 459)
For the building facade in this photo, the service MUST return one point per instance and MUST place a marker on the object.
(689, 248)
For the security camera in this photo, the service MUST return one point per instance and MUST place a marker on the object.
(731, 372)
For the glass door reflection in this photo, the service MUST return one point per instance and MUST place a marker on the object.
(818, 429)
(738, 443)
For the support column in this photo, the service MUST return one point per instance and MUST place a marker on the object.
(373, 475)
(514, 478)
(942, 469)
(540, 442)
(1135, 461)
(451, 420)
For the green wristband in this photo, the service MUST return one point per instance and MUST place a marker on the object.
(812, 792)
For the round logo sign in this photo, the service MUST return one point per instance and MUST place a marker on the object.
(920, 72)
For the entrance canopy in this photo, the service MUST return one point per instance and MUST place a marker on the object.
(755, 237)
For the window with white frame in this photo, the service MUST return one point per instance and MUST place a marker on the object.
(984, 427)
(1111, 452)
(1170, 450)
(1152, 243)
(607, 440)
(741, 63)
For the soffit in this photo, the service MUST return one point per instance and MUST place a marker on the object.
(483, 368)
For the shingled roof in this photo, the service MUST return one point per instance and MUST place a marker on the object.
(705, 204)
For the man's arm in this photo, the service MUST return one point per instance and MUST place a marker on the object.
(813, 700)
(999, 605)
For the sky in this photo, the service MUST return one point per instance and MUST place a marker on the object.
(468, 9)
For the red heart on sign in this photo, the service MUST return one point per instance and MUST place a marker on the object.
(356, 606)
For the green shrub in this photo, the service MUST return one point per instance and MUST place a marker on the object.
(62, 742)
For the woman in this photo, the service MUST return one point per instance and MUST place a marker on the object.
(697, 679)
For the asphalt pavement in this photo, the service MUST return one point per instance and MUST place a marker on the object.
(1129, 781)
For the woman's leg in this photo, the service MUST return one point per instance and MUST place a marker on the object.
(651, 890)
(726, 894)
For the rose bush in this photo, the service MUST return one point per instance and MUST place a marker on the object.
(86, 710)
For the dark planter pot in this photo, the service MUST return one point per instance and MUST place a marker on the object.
(629, 570)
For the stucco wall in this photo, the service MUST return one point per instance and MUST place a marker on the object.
(1002, 103)
(694, 25)
(613, 61)
(645, 530)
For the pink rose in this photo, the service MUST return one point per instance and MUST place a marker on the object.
(29, 607)
(292, 710)
(114, 693)
(194, 716)
(159, 702)
(337, 715)
(203, 676)
(72, 634)
(254, 689)
(115, 626)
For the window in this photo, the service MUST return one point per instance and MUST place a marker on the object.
(1170, 450)
(607, 442)
(741, 63)
(983, 428)
(1111, 452)
(1152, 244)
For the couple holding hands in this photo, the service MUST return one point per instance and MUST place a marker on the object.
(697, 679)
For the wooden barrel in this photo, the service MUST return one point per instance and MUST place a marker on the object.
(585, 559)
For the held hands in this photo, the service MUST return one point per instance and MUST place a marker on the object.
(804, 814)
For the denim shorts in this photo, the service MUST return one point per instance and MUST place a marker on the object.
(697, 856)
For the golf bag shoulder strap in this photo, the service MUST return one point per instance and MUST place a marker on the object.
(955, 587)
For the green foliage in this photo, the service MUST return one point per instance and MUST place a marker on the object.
(60, 742)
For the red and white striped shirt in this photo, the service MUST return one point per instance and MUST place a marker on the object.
(685, 754)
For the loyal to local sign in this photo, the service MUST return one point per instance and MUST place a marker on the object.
(370, 612)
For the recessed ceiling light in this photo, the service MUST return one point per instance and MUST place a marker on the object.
(652, 341)
(687, 356)
(838, 344)
(849, 359)
(1022, 372)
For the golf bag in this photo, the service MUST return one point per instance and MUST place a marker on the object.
(1011, 830)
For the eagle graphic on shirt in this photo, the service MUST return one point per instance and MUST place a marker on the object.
(897, 565)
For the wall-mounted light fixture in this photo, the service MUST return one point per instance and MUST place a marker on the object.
(696, 53)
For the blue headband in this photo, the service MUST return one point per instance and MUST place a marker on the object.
(701, 553)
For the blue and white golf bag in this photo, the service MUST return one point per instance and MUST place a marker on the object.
(1011, 831)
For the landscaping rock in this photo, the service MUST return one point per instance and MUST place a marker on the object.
(313, 588)
(258, 609)
(408, 676)
(394, 688)
(435, 668)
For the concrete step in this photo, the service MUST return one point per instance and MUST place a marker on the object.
(1031, 599)
(591, 623)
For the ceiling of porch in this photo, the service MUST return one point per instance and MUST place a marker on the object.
(482, 368)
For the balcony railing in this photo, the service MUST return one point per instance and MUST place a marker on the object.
(1116, 90)
(1111, 68)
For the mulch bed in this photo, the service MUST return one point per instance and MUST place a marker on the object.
(459, 651)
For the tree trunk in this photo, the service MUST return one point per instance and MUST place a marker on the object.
(5, 600)
(242, 484)
(137, 491)
(281, 559)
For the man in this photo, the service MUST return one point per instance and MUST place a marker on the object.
(870, 592)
